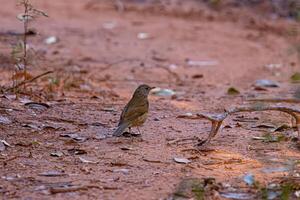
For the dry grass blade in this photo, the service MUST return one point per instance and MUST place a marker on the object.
(29, 81)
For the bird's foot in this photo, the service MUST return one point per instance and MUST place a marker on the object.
(131, 134)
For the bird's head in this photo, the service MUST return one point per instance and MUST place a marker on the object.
(143, 90)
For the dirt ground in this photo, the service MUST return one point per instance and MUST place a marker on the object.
(101, 56)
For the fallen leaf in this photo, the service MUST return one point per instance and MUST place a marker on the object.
(74, 136)
(266, 126)
(87, 161)
(271, 138)
(182, 160)
(236, 195)
(109, 109)
(11, 178)
(57, 154)
(258, 138)
(10, 97)
(295, 78)
(282, 128)
(126, 148)
(132, 134)
(260, 88)
(3, 145)
(52, 173)
(32, 126)
(37, 106)
(76, 151)
(266, 83)
(188, 115)
(151, 160)
(119, 163)
(101, 136)
(5, 120)
(233, 91)
(124, 171)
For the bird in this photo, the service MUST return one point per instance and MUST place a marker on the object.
(136, 110)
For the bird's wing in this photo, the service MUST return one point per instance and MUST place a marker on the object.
(133, 110)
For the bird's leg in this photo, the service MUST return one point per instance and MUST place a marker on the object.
(138, 130)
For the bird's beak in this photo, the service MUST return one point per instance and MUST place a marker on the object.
(151, 88)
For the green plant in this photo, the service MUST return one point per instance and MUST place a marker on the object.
(20, 50)
(287, 190)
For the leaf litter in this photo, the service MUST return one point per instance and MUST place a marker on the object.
(53, 173)
(84, 160)
(74, 136)
(3, 145)
(181, 160)
(113, 150)
(5, 120)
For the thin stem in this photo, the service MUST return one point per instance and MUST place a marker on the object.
(29, 81)
(26, 5)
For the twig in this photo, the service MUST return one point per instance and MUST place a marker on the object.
(176, 141)
(218, 119)
(29, 81)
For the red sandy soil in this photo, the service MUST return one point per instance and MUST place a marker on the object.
(99, 68)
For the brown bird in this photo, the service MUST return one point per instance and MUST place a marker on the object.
(135, 112)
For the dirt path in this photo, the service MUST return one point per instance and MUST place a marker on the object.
(98, 61)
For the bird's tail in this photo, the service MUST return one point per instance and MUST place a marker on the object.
(120, 129)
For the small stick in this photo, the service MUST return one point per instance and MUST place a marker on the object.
(29, 81)
(182, 140)
(25, 23)
(217, 119)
